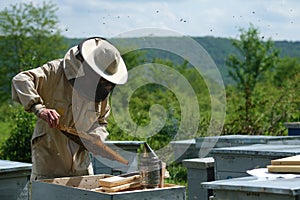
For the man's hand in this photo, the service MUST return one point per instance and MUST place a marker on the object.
(50, 116)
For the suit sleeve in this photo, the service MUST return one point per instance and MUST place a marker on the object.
(25, 87)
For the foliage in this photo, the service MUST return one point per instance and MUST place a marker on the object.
(276, 100)
(178, 174)
(283, 82)
(256, 58)
(6, 121)
(17, 146)
(30, 37)
(148, 95)
(140, 103)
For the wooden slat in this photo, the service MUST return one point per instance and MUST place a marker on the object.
(135, 184)
(117, 180)
(87, 182)
(292, 160)
(284, 168)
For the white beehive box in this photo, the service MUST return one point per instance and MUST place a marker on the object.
(83, 187)
(252, 188)
(14, 179)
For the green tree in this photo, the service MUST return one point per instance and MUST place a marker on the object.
(30, 37)
(286, 69)
(283, 87)
(247, 69)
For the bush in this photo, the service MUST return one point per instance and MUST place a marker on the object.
(17, 146)
(178, 174)
(6, 121)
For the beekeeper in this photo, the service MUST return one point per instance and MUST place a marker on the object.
(71, 92)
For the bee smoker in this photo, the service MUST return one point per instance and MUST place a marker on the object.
(150, 168)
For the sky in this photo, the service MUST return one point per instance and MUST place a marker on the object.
(275, 19)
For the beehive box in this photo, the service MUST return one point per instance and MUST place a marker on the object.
(14, 179)
(83, 187)
(206, 144)
(242, 140)
(252, 188)
(231, 162)
(293, 128)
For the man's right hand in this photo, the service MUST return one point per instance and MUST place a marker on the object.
(50, 116)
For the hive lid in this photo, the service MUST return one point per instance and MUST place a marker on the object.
(11, 166)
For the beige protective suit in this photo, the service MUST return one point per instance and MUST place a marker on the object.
(48, 86)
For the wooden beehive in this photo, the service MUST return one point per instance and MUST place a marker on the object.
(87, 187)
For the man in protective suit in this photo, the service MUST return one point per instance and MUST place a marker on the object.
(71, 92)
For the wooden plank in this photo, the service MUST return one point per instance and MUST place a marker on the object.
(291, 160)
(87, 182)
(118, 180)
(284, 168)
(131, 185)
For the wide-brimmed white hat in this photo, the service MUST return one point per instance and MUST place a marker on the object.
(104, 59)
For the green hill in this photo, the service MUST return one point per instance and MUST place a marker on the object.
(218, 48)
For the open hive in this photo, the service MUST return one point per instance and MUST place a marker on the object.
(91, 187)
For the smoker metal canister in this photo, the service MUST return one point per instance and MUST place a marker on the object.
(150, 171)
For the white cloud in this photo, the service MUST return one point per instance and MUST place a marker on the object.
(279, 19)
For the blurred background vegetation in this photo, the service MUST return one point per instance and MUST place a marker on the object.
(260, 75)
